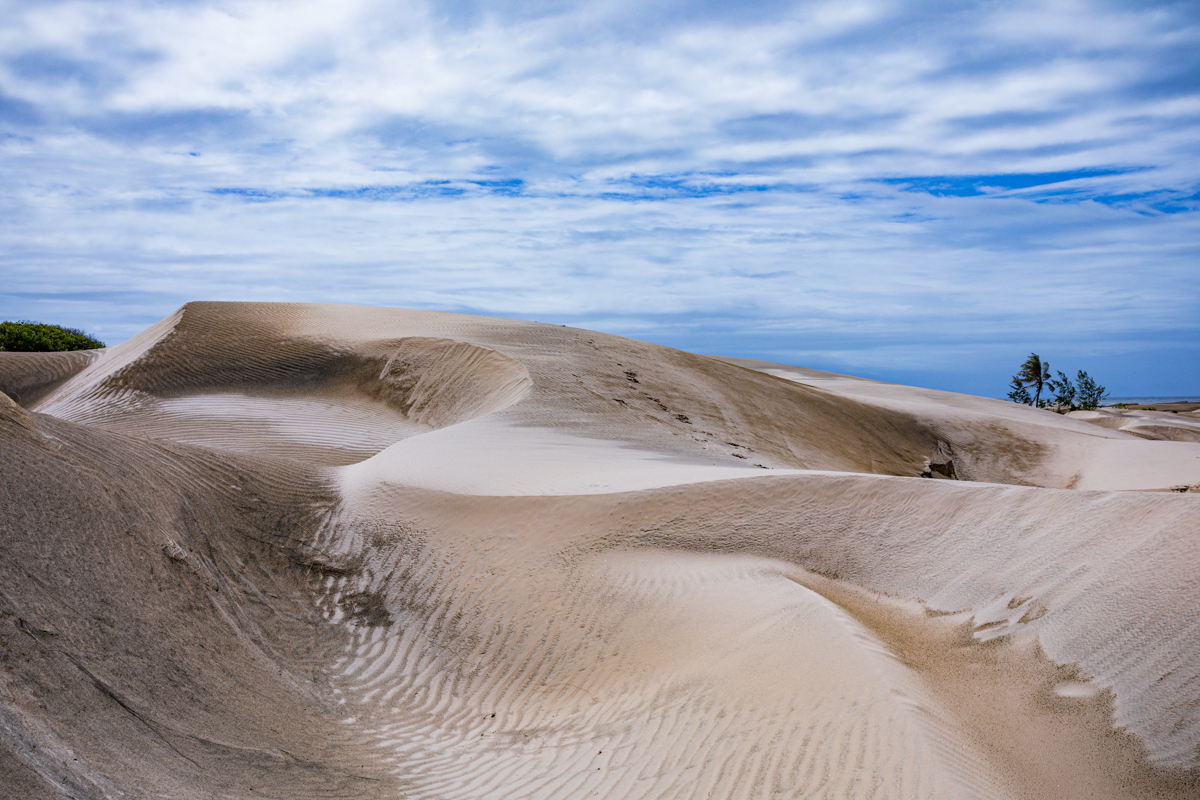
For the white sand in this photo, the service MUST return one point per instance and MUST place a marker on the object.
(539, 562)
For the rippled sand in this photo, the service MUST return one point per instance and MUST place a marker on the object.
(304, 551)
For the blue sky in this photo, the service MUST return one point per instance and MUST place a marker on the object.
(893, 190)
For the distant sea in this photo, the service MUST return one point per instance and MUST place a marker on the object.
(1146, 401)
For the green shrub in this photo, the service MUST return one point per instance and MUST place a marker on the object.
(1091, 394)
(1018, 393)
(1065, 393)
(34, 337)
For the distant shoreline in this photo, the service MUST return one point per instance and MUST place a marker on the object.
(1149, 400)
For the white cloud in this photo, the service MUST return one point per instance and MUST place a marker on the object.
(674, 167)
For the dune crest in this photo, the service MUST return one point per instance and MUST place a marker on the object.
(262, 390)
(304, 551)
(441, 382)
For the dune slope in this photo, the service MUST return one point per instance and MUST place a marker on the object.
(318, 551)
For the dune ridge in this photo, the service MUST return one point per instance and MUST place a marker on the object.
(1146, 424)
(328, 551)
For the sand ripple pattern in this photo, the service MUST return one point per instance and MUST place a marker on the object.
(630, 678)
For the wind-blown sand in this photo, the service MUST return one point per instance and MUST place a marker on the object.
(303, 551)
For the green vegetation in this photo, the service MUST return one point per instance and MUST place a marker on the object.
(1084, 393)
(34, 337)
(1034, 373)
(1091, 394)
(1018, 393)
(1064, 392)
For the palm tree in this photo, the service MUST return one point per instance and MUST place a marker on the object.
(1034, 373)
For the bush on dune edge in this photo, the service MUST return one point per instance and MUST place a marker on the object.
(34, 337)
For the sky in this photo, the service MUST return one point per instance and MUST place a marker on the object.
(917, 192)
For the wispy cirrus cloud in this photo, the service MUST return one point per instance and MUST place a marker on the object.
(869, 187)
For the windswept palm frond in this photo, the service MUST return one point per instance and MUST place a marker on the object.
(1035, 374)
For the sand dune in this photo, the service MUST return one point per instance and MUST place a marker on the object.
(1146, 424)
(300, 551)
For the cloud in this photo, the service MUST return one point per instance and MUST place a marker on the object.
(869, 186)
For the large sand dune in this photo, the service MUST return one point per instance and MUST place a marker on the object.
(297, 551)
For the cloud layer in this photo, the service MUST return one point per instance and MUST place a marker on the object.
(888, 189)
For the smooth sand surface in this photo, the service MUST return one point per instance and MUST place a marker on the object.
(1170, 426)
(298, 551)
